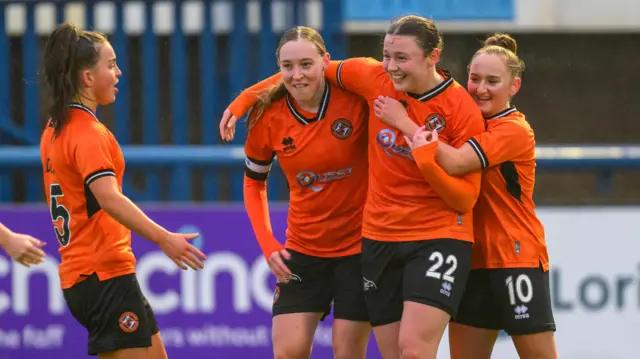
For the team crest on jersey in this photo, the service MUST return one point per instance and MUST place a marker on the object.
(128, 322)
(435, 122)
(342, 128)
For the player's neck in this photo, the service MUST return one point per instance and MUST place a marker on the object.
(86, 101)
(313, 104)
(429, 83)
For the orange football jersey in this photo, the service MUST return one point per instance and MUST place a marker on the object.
(401, 205)
(507, 231)
(324, 159)
(90, 240)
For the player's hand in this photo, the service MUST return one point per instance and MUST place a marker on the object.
(277, 266)
(390, 111)
(181, 252)
(421, 138)
(228, 125)
(24, 249)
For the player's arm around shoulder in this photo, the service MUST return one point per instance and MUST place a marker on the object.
(457, 157)
(507, 140)
(361, 75)
(459, 193)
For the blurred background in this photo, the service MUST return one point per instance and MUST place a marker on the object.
(184, 61)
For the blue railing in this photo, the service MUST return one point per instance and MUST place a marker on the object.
(222, 72)
(181, 162)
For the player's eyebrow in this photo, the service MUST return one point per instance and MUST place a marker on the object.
(396, 53)
(304, 59)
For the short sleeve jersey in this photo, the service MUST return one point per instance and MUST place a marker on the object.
(324, 159)
(507, 231)
(90, 240)
(401, 205)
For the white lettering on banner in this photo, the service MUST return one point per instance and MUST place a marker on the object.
(197, 293)
(596, 292)
(19, 300)
(51, 337)
(205, 336)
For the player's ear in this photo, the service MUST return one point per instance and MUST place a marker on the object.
(515, 86)
(326, 60)
(87, 78)
(434, 57)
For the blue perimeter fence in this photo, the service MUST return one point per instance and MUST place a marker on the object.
(168, 170)
(181, 162)
(234, 47)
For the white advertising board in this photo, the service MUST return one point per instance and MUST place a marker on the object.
(595, 283)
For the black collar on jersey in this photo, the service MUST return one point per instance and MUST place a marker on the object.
(322, 111)
(502, 113)
(435, 91)
(82, 107)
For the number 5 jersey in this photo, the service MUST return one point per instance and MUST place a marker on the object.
(90, 240)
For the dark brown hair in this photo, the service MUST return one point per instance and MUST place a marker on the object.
(503, 45)
(69, 51)
(424, 30)
(279, 91)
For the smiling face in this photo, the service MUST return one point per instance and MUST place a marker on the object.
(491, 83)
(405, 62)
(302, 65)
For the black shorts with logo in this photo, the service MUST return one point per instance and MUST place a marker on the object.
(114, 312)
(317, 283)
(432, 272)
(516, 300)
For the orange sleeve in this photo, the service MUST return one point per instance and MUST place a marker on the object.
(503, 142)
(361, 75)
(349, 74)
(259, 158)
(256, 204)
(461, 193)
(93, 152)
(247, 98)
(468, 122)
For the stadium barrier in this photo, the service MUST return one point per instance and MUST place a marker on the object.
(234, 47)
(223, 311)
(181, 162)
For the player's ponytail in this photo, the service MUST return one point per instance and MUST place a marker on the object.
(503, 45)
(265, 99)
(68, 52)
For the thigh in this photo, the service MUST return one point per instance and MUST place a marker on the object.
(524, 298)
(436, 273)
(349, 302)
(382, 277)
(115, 313)
(350, 339)
(310, 289)
(466, 342)
(293, 333)
(478, 307)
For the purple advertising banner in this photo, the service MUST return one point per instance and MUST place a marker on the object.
(222, 311)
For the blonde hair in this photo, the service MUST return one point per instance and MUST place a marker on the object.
(503, 45)
(279, 91)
